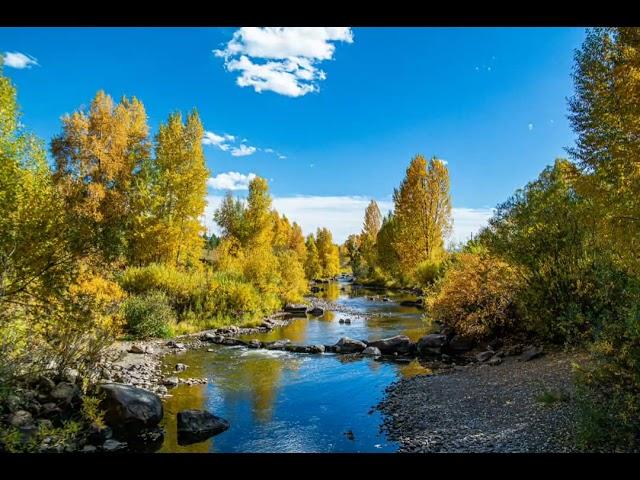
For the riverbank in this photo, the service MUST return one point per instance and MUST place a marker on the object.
(139, 362)
(516, 406)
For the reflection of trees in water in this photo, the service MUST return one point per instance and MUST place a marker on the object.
(329, 316)
(331, 291)
(184, 397)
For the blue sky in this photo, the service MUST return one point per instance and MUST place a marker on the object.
(331, 116)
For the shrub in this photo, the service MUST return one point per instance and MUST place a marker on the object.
(148, 315)
(428, 272)
(478, 296)
(184, 289)
(609, 386)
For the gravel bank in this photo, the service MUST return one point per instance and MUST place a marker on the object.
(483, 408)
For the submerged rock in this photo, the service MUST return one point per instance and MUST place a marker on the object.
(198, 425)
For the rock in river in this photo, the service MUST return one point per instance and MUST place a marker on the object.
(316, 311)
(484, 356)
(295, 308)
(130, 409)
(198, 425)
(399, 343)
(373, 351)
(349, 345)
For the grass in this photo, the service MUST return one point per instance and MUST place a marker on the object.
(549, 397)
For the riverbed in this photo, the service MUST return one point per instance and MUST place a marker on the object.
(278, 401)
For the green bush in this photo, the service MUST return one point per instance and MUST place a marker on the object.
(148, 315)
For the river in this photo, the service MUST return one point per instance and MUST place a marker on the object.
(278, 401)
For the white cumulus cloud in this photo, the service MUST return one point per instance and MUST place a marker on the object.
(19, 60)
(344, 215)
(231, 181)
(283, 60)
(243, 150)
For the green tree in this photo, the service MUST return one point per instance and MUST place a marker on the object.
(312, 268)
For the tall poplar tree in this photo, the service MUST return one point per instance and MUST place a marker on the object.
(422, 212)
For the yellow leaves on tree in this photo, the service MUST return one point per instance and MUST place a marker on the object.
(96, 157)
(422, 212)
(477, 297)
(328, 254)
(168, 229)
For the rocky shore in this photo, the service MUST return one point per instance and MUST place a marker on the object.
(514, 406)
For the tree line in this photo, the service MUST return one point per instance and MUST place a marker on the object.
(558, 262)
(106, 241)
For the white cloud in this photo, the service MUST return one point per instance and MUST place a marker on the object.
(231, 181)
(243, 150)
(344, 215)
(229, 143)
(282, 59)
(220, 141)
(530, 126)
(19, 60)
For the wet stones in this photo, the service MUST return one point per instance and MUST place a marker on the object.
(295, 308)
(316, 311)
(254, 343)
(278, 344)
(349, 345)
(305, 348)
(399, 343)
(181, 367)
(170, 382)
(198, 425)
(372, 351)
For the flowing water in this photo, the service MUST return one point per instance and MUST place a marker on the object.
(288, 402)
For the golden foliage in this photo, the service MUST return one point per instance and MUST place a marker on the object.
(477, 296)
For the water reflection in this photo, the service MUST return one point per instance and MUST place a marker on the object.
(278, 401)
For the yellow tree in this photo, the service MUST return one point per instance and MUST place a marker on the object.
(312, 268)
(296, 242)
(328, 253)
(96, 159)
(422, 213)
(170, 229)
(370, 229)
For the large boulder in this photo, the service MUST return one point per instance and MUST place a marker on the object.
(460, 344)
(349, 345)
(431, 344)
(130, 409)
(198, 425)
(388, 346)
